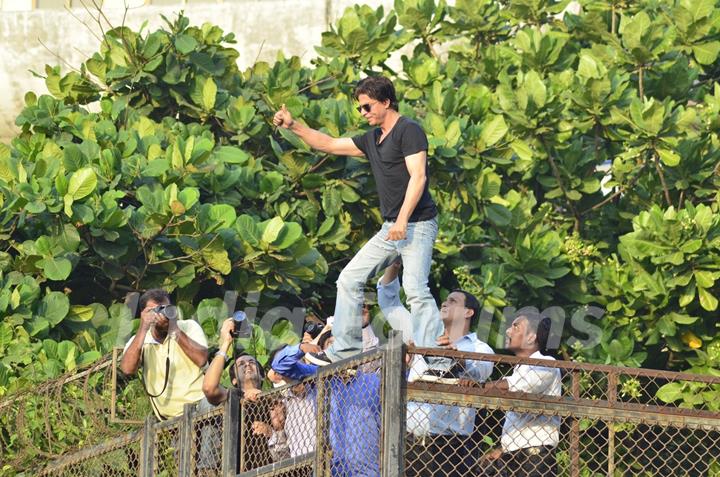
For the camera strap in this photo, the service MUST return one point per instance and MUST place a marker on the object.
(167, 376)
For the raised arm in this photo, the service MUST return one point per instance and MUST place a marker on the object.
(130, 361)
(193, 343)
(417, 168)
(343, 146)
(213, 390)
(388, 293)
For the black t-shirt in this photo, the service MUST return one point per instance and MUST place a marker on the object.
(387, 160)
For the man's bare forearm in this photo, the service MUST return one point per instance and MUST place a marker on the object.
(130, 361)
(312, 137)
(415, 188)
(499, 385)
(198, 354)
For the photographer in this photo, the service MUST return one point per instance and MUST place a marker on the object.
(171, 352)
(246, 374)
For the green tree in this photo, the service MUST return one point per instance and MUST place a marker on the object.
(574, 159)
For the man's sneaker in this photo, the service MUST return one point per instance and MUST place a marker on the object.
(318, 359)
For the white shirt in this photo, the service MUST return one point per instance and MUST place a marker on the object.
(532, 430)
(424, 418)
(300, 422)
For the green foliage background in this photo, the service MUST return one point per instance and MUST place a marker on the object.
(179, 180)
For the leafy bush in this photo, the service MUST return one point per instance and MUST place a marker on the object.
(573, 157)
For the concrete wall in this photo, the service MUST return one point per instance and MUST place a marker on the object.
(262, 29)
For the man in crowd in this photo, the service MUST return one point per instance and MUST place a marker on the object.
(441, 441)
(354, 414)
(528, 441)
(246, 374)
(171, 352)
(397, 151)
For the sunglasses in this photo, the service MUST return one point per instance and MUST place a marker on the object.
(365, 107)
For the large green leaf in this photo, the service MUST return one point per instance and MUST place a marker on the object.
(54, 307)
(209, 92)
(707, 300)
(55, 268)
(290, 233)
(272, 230)
(82, 183)
(706, 53)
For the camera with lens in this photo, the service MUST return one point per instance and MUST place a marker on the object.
(168, 311)
(242, 327)
(312, 328)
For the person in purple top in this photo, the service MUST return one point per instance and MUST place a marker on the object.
(397, 151)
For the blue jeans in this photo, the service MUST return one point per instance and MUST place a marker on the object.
(376, 254)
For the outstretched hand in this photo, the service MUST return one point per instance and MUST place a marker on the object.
(283, 118)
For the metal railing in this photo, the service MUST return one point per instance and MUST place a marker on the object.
(61, 416)
(595, 420)
(361, 418)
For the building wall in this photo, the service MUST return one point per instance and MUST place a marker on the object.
(263, 28)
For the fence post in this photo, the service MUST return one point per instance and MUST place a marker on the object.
(146, 451)
(394, 407)
(575, 429)
(320, 426)
(185, 440)
(231, 429)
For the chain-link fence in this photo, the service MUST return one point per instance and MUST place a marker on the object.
(332, 422)
(76, 410)
(490, 415)
(466, 414)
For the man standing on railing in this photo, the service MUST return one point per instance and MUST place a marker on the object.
(171, 352)
(397, 152)
(441, 437)
(528, 441)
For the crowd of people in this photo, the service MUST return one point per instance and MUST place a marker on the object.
(441, 439)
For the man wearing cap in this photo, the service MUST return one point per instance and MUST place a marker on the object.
(354, 409)
(397, 152)
(171, 352)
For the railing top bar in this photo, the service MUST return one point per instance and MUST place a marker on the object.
(356, 360)
(582, 408)
(469, 396)
(569, 365)
(167, 424)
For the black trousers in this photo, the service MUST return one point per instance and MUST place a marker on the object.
(440, 456)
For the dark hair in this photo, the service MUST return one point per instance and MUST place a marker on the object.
(378, 88)
(158, 295)
(233, 370)
(538, 324)
(473, 304)
(323, 339)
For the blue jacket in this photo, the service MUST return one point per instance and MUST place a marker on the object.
(355, 419)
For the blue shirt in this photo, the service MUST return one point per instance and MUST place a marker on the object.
(424, 418)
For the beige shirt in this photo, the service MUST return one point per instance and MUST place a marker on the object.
(184, 382)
